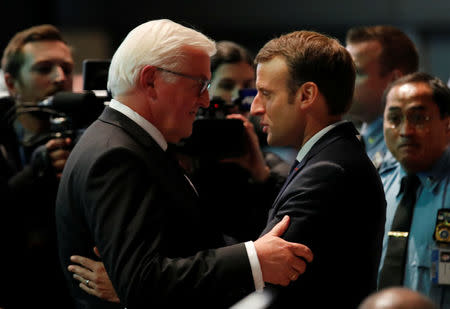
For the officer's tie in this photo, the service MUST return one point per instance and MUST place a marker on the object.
(393, 269)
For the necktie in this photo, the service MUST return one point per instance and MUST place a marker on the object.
(393, 269)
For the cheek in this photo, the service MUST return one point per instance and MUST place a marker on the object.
(390, 137)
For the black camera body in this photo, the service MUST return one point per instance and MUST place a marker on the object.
(213, 136)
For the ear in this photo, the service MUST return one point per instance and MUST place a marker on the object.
(10, 83)
(307, 94)
(147, 79)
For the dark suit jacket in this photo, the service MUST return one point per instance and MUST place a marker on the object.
(121, 192)
(337, 207)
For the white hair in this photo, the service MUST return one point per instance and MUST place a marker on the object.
(158, 43)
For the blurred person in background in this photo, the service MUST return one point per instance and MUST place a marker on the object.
(381, 54)
(37, 63)
(397, 298)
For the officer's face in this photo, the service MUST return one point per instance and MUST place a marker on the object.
(414, 131)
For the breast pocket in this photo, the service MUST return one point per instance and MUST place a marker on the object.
(418, 274)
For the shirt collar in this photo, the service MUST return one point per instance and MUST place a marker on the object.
(310, 143)
(430, 179)
(141, 121)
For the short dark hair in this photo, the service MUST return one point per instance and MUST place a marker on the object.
(398, 51)
(315, 57)
(230, 52)
(439, 90)
(13, 57)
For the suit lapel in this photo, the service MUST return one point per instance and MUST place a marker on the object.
(115, 118)
(344, 129)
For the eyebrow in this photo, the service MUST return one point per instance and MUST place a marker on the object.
(414, 108)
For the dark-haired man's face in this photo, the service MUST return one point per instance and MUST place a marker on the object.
(414, 131)
(370, 83)
(281, 118)
(47, 69)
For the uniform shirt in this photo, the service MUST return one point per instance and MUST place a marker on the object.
(432, 194)
(376, 149)
(373, 138)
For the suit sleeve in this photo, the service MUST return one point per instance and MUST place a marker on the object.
(125, 206)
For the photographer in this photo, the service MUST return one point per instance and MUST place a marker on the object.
(37, 63)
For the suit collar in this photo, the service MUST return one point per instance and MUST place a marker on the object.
(345, 128)
(141, 121)
(342, 129)
(118, 119)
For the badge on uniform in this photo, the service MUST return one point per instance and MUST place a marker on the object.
(440, 254)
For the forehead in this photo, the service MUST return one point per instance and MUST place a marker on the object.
(363, 52)
(410, 95)
(196, 62)
(235, 70)
(272, 72)
(47, 51)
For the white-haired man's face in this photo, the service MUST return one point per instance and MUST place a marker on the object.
(178, 100)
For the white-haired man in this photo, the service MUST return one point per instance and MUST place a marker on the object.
(122, 192)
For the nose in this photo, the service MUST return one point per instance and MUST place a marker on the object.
(406, 128)
(203, 100)
(257, 107)
(59, 74)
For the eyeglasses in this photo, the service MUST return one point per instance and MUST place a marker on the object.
(417, 120)
(204, 83)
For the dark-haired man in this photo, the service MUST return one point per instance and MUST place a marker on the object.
(382, 54)
(37, 63)
(305, 83)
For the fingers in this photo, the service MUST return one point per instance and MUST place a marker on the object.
(84, 261)
(84, 281)
(87, 289)
(237, 116)
(57, 143)
(80, 273)
(97, 253)
(58, 152)
(302, 251)
(281, 227)
(294, 276)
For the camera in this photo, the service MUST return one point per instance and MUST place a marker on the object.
(442, 229)
(213, 135)
(68, 113)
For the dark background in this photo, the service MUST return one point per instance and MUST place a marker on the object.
(96, 27)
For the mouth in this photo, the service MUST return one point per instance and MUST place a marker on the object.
(264, 127)
(408, 145)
